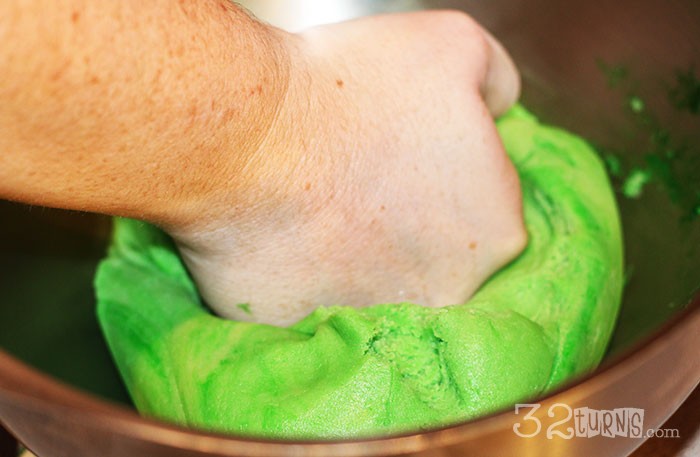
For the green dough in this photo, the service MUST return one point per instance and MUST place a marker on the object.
(343, 372)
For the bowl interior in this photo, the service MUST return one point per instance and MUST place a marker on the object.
(602, 69)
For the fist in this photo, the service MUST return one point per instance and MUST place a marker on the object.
(381, 178)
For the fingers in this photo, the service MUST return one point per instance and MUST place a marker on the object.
(501, 85)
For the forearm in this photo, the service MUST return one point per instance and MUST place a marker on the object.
(133, 108)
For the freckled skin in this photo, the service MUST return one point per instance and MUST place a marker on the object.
(137, 85)
(304, 169)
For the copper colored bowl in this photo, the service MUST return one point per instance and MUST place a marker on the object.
(586, 66)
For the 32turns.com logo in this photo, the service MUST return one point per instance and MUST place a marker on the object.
(567, 423)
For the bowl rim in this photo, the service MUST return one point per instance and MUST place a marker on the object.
(39, 390)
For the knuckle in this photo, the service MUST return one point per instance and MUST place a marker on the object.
(462, 39)
(461, 28)
(457, 21)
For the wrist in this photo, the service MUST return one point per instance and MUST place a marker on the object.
(236, 99)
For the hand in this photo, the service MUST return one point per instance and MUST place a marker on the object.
(380, 179)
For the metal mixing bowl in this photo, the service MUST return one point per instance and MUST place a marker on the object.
(619, 73)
